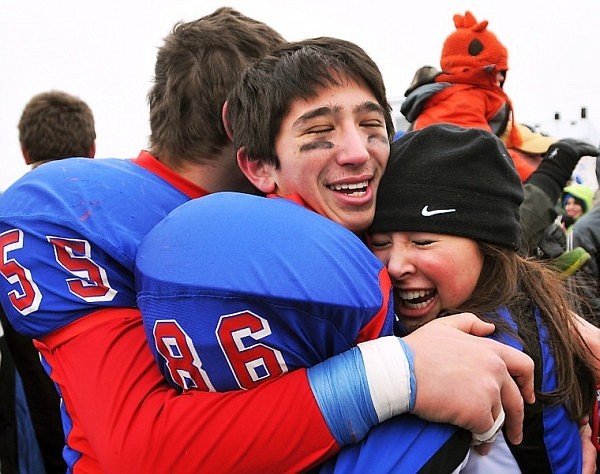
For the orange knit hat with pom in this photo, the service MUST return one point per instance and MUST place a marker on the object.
(472, 45)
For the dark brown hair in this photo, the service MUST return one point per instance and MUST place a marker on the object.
(260, 101)
(196, 67)
(519, 283)
(56, 125)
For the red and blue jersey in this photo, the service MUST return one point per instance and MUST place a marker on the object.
(70, 231)
(235, 289)
(69, 234)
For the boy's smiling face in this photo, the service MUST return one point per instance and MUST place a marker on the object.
(333, 149)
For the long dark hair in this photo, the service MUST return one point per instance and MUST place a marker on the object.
(519, 283)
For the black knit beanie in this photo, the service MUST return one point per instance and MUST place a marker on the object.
(446, 179)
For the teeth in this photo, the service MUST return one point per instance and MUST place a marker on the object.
(411, 295)
(415, 305)
(416, 299)
(346, 186)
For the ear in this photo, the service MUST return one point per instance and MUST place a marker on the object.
(92, 151)
(260, 174)
(25, 155)
(226, 122)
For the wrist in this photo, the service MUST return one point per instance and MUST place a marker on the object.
(389, 368)
(364, 386)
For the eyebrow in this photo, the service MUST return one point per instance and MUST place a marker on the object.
(318, 112)
(367, 106)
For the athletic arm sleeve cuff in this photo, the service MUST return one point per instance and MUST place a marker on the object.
(364, 386)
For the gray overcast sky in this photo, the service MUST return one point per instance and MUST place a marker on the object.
(104, 52)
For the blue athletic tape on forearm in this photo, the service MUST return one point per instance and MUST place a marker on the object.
(342, 392)
(365, 386)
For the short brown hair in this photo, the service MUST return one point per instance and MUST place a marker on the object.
(56, 125)
(196, 67)
(260, 101)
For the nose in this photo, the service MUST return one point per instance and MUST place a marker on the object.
(353, 147)
(400, 264)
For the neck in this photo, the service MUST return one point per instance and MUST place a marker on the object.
(214, 174)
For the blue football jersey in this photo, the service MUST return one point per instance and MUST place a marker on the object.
(235, 289)
(402, 444)
(69, 231)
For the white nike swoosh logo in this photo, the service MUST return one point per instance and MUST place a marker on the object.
(426, 212)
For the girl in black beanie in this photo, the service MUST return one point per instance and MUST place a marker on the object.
(447, 228)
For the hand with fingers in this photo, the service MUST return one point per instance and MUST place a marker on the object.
(468, 380)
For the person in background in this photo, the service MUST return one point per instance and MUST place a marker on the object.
(53, 125)
(527, 156)
(468, 90)
(9, 451)
(68, 270)
(450, 244)
(545, 164)
(585, 282)
(576, 200)
(585, 233)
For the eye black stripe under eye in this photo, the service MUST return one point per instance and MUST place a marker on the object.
(316, 146)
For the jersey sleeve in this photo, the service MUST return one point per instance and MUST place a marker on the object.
(404, 444)
(53, 278)
(275, 427)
